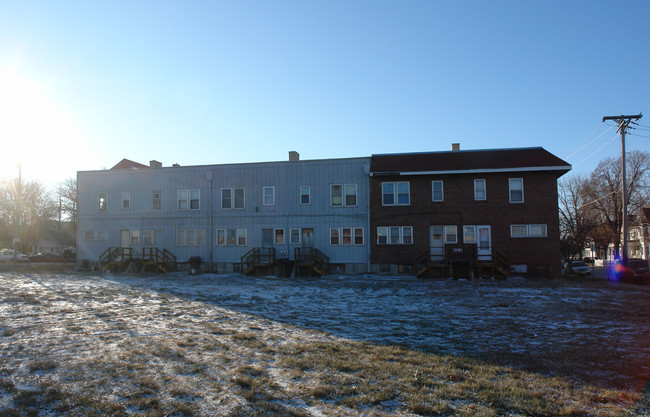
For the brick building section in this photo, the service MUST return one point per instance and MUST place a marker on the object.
(459, 208)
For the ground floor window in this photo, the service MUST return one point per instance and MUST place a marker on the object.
(232, 237)
(278, 236)
(190, 237)
(346, 236)
(96, 235)
(528, 230)
(395, 235)
(147, 237)
(294, 236)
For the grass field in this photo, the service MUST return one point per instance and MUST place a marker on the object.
(230, 345)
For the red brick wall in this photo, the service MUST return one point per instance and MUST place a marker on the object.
(459, 208)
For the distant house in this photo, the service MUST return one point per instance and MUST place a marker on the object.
(57, 238)
(468, 209)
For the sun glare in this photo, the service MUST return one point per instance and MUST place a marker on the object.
(34, 131)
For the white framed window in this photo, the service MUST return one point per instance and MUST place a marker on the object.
(278, 236)
(232, 198)
(268, 195)
(189, 199)
(134, 237)
(480, 193)
(395, 235)
(190, 237)
(528, 230)
(147, 237)
(469, 234)
(157, 200)
(358, 236)
(335, 236)
(451, 234)
(126, 200)
(396, 193)
(305, 195)
(343, 195)
(103, 202)
(95, 235)
(294, 236)
(242, 237)
(221, 237)
(437, 193)
(516, 190)
(346, 235)
(232, 237)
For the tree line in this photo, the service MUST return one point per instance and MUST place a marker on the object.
(28, 208)
(591, 206)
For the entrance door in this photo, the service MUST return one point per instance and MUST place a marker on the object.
(436, 243)
(159, 239)
(307, 238)
(267, 238)
(125, 239)
(484, 246)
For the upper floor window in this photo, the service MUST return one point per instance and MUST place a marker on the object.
(479, 190)
(189, 199)
(126, 200)
(232, 198)
(305, 195)
(157, 200)
(437, 191)
(516, 188)
(395, 193)
(343, 195)
(268, 195)
(103, 201)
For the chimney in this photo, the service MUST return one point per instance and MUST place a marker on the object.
(155, 164)
(294, 156)
(455, 146)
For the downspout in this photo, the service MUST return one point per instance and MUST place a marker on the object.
(208, 176)
(367, 169)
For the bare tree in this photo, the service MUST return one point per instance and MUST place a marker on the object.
(576, 221)
(604, 192)
(26, 206)
(68, 199)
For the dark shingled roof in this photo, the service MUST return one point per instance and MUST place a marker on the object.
(128, 164)
(516, 159)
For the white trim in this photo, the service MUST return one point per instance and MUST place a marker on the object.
(474, 171)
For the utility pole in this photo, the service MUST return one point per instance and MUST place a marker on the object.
(623, 122)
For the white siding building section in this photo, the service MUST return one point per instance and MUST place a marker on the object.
(220, 212)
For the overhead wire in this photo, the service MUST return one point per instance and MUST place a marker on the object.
(581, 146)
(597, 150)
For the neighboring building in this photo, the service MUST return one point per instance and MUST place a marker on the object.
(479, 203)
(221, 212)
(58, 237)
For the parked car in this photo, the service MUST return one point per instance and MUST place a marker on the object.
(636, 271)
(8, 255)
(577, 268)
(46, 257)
(70, 255)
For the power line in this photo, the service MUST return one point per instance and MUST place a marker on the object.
(597, 150)
(641, 136)
(588, 143)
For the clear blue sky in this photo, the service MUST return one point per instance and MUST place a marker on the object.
(85, 84)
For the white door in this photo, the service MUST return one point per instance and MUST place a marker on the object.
(484, 244)
(436, 243)
(125, 239)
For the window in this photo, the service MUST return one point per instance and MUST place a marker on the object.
(516, 187)
(232, 198)
(157, 201)
(395, 193)
(451, 234)
(469, 234)
(221, 237)
(190, 237)
(103, 201)
(395, 235)
(278, 236)
(189, 199)
(436, 191)
(96, 235)
(528, 230)
(305, 195)
(268, 195)
(147, 237)
(346, 236)
(294, 236)
(343, 195)
(126, 200)
(358, 235)
(134, 237)
(232, 237)
(479, 190)
(334, 236)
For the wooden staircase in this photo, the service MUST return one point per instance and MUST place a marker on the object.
(424, 266)
(498, 266)
(257, 258)
(311, 259)
(115, 259)
(120, 260)
(161, 260)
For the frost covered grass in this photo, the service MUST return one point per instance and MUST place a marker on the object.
(167, 346)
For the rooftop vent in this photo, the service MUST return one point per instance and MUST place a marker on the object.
(455, 146)
(155, 164)
(294, 156)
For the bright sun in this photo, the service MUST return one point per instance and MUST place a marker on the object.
(34, 131)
